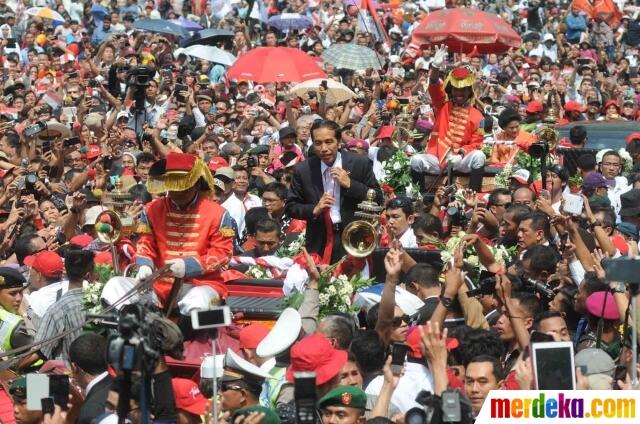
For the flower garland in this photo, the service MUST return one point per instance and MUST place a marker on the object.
(397, 175)
(290, 250)
(91, 292)
(502, 179)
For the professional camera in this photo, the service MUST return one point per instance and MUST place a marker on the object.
(143, 335)
(539, 150)
(487, 286)
(140, 75)
(252, 162)
(456, 216)
(451, 407)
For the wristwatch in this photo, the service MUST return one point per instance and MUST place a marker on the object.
(619, 287)
(447, 302)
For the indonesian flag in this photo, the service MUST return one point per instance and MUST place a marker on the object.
(277, 266)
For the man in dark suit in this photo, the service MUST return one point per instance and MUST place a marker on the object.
(326, 189)
(89, 367)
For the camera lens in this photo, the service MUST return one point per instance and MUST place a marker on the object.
(452, 211)
(31, 179)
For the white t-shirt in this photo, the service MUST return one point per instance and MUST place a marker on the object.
(39, 301)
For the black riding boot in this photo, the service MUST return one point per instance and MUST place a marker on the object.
(475, 179)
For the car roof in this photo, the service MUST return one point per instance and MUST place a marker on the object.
(603, 135)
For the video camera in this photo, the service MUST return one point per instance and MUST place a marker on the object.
(487, 286)
(539, 150)
(139, 77)
(451, 407)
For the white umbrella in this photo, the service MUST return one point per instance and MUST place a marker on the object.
(336, 91)
(45, 13)
(210, 53)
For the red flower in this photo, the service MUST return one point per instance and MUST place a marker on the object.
(386, 188)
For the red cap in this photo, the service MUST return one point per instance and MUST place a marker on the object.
(82, 240)
(612, 103)
(252, 335)
(535, 107)
(460, 73)
(47, 263)
(386, 131)
(632, 136)
(93, 151)
(217, 162)
(602, 301)
(179, 163)
(188, 396)
(573, 106)
(315, 353)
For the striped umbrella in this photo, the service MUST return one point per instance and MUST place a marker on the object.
(45, 13)
(352, 56)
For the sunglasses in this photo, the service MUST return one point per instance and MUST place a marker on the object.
(397, 321)
(227, 387)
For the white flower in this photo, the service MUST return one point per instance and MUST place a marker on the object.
(347, 300)
(323, 299)
(397, 166)
(331, 290)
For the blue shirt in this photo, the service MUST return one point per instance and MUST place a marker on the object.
(99, 34)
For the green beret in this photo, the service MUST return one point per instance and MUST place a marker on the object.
(18, 387)
(349, 396)
(270, 417)
(11, 279)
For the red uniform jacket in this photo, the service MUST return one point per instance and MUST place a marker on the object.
(456, 127)
(202, 236)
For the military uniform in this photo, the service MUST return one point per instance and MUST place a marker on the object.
(200, 235)
(13, 332)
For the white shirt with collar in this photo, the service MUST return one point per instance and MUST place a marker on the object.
(331, 186)
(408, 239)
(95, 381)
(236, 209)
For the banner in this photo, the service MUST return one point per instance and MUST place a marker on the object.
(554, 406)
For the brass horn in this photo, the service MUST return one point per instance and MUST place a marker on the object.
(109, 229)
(401, 136)
(360, 238)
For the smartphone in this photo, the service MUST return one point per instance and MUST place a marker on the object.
(71, 141)
(47, 405)
(305, 395)
(324, 84)
(553, 366)
(46, 146)
(624, 269)
(178, 89)
(11, 43)
(37, 389)
(213, 318)
(398, 356)
(572, 203)
(59, 389)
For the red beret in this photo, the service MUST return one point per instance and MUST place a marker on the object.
(252, 335)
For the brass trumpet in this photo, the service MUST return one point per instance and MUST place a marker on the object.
(360, 238)
(108, 228)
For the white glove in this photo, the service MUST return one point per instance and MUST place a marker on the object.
(177, 267)
(454, 159)
(439, 57)
(144, 274)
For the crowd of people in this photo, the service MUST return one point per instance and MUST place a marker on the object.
(127, 164)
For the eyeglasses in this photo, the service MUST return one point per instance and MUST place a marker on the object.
(397, 321)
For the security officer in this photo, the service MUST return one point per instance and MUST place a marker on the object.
(18, 392)
(13, 333)
(344, 404)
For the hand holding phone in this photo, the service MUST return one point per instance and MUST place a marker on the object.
(398, 356)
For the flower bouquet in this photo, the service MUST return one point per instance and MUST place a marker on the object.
(501, 255)
(397, 171)
(91, 291)
(336, 292)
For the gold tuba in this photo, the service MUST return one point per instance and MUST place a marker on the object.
(360, 238)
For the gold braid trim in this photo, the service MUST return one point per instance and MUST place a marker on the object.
(181, 182)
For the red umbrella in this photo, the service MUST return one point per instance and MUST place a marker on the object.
(462, 29)
(275, 64)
